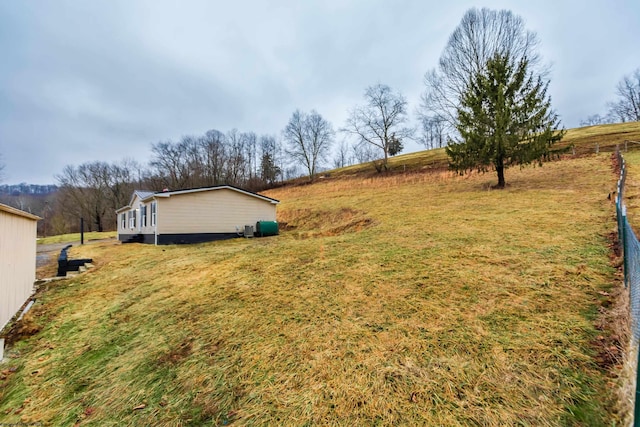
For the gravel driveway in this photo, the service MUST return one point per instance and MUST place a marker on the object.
(45, 253)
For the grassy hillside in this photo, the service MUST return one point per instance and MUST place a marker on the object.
(584, 139)
(408, 299)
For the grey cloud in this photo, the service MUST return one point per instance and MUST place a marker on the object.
(105, 79)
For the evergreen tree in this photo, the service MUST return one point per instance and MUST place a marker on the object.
(395, 145)
(269, 171)
(505, 118)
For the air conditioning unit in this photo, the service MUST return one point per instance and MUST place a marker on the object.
(248, 231)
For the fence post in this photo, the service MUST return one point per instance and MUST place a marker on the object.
(620, 230)
(625, 253)
(636, 406)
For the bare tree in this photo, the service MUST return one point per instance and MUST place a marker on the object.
(169, 164)
(212, 159)
(627, 108)
(214, 155)
(433, 132)
(309, 138)
(480, 35)
(380, 121)
(93, 191)
(122, 179)
(342, 158)
(596, 119)
(237, 165)
(363, 153)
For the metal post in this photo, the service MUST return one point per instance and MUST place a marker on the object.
(636, 410)
(82, 231)
(625, 256)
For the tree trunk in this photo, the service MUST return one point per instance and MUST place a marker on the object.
(386, 160)
(500, 171)
(99, 222)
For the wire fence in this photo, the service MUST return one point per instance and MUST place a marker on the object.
(631, 264)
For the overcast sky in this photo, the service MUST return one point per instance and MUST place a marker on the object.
(102, 80)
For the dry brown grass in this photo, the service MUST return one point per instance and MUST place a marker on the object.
(586, 140)
(418, 299)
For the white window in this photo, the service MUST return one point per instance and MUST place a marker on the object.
(153, 214)
(123, 220)
(143, 216)
(132, 219)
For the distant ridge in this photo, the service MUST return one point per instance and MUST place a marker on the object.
(24, 188)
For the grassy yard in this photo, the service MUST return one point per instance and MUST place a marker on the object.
(75, 237)
(415, 299)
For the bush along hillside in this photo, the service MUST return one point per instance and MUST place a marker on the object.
(423, 298)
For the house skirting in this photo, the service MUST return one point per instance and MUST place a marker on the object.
(137, 238)
(179, 239)
(175, 239)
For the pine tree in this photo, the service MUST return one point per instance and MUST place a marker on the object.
(505, 118)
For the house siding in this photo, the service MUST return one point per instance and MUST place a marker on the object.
(193, 216)
(17, 261)
(216, 212)
(126, 231)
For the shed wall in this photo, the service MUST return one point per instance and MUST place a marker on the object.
(216, 211)
(17, 263)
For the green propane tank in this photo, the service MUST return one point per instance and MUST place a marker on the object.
(266, 228)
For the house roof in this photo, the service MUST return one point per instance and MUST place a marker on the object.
(140, 193)
(18, 212)
(217, 187)
(148, 195)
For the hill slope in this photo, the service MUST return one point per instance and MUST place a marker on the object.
(586, 140)
(405, 299)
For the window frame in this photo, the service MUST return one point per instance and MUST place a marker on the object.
(154, 213)
(143, 215)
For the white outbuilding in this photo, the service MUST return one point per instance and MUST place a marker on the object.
(18, 233)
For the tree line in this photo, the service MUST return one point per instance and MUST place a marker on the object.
(94, 190)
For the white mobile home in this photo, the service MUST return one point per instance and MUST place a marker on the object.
(193, 215)
(18, 233)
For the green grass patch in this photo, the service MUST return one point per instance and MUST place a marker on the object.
(75, 237)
